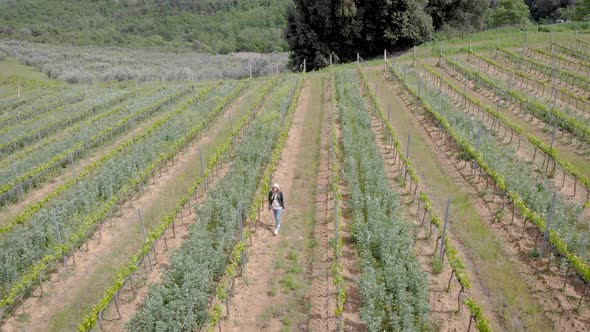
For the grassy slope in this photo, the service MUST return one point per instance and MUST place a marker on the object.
(536, 36)
(27, 78)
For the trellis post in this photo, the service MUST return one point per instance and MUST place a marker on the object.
(203, 167)
(144, 236)
(58, 234)
(546, 233)
(444, 233)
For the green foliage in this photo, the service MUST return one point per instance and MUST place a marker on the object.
(481, 323)
(509, 12)
(457, 15)
(567, 120)
(205, 26)
(92, 316)
(393, 287)
(437, 264)
(393, 25)
(26, 251)
(580, 11)
(548, 10)
(47, 162)
(316, 29)
(456, 264)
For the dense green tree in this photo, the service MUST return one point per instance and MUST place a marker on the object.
(580, 11)
(316, 28)
(547, 10)
(510, 12)
(392, 24)
(463, 15)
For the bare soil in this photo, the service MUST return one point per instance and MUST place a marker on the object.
(322, 293)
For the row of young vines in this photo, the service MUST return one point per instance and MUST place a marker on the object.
(181, 301)
(529, 193)
(456, 264)
(202, 182)
(393, 287)
(64, 223)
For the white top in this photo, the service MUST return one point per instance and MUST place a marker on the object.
(275, 202)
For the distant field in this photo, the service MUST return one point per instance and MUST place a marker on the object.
(446, 188)
(92, 63)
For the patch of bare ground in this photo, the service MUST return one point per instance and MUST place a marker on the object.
(546, 283)
(351, 271)
(68, 295)
(322, 293)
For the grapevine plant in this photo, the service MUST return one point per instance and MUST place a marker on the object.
(25, 251)
(180, 302)
(393, 287)
(530, 193)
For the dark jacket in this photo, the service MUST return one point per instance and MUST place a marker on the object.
(279, 197)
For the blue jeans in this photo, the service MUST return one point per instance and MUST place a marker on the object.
(277, 213)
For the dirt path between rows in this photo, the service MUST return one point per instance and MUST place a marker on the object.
(72, 294)
(322, 293)
(271, 294)
(37, 194)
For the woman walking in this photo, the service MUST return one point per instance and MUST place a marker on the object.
(277, 204)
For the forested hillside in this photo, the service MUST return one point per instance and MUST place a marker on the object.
(218, 26)
(310, 29)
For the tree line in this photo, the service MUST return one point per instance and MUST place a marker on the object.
(317, 29)
(224, 26)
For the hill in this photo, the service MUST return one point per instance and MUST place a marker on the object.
(217, 26)
(443, 189)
